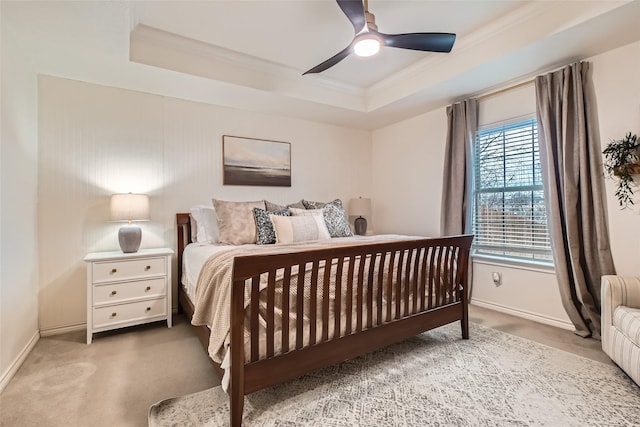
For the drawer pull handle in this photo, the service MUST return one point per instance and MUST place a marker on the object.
(113, 293)
(147, 268)
(113, 270)
(148, 308)
(114, 314)
(148, 289)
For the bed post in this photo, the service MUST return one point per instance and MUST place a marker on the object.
(464, 291)
(183, 222)
(236, 389)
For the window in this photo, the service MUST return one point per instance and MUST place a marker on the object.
(509, 218)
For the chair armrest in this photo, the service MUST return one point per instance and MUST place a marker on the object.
(616, 291)
(620, 290)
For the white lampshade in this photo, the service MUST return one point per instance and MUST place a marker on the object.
(360, 207)
(129, 207)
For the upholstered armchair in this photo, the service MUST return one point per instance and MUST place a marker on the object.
(621, 322)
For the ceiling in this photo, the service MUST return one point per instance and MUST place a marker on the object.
(251, 54)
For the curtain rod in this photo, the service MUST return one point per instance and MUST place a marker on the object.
(506, 89)
(522, 84)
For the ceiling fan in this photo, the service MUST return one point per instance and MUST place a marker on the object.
(368, 40)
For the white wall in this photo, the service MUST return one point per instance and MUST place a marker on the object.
(97, 140)
(617, 86)
(407, 175)
(18, 227)
(408, 166)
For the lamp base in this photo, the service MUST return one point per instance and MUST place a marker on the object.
(129, 237)
(360, 224)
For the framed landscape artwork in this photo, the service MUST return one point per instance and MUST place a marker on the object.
(251, 161)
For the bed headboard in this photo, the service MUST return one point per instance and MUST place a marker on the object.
(183, 221)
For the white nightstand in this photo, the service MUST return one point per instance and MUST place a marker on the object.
(127, 289)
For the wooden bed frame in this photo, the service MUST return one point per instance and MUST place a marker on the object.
(417, 299)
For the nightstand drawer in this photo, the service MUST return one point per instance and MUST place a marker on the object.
(131, 312)
(121, 292)
(112, 271)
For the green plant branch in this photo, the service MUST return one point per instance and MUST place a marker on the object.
(619, 155)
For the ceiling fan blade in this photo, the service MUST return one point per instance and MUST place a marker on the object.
(430, 42)
(330, 62)
(354, 9)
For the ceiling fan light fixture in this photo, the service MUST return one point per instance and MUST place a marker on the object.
(367, 40)
(366, 46)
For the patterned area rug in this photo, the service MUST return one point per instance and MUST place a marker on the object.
(434, 379)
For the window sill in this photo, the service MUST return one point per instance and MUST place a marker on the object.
(540, 267)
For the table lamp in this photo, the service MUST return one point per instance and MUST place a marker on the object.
(360, 207)
(129, 207)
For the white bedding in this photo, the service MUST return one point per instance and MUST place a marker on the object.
(193, 258)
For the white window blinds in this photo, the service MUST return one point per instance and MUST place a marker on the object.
(509, 217)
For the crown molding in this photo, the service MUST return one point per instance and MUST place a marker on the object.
(266, 75)
(490, 41)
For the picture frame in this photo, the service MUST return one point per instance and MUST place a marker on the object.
(255, 162)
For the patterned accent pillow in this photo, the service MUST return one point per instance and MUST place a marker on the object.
(336, 220)
(319, 205)
(299, 228)
(236, 223)
(274, 207)
(264, 226)
(315, 205)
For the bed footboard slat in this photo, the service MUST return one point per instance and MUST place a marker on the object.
(271, 292)
(380, 287)
(255, 313)
(442, 253)
(286, 286)
(300, 305)
(360, 293)
(337, 312)
(326, 281)
(373, 257)
(432, 258)
(349, 289)
(407, 281)
(398, 284)
(392, 263)
(313, 303)
(450, 282)
(423, 289)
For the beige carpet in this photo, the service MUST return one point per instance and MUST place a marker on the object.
(112, 382)
(493, 379)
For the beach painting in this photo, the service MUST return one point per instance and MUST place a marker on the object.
(250, 161)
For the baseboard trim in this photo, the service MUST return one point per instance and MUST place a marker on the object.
(17, 363)
(73, 328)
(524, 314)
(63, 330)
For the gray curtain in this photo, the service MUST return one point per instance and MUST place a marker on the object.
(574, 184)
(462, 121)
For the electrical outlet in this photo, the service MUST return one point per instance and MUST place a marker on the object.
(497, 278)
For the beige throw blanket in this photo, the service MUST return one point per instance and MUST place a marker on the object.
(213, 292)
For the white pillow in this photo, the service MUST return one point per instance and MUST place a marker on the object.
(194, 227)
(206, 224)
(292, 229)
